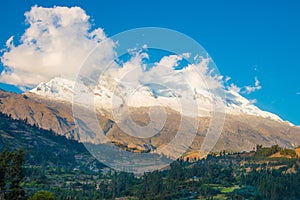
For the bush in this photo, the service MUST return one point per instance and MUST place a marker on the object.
(288, 152)
(42, 195)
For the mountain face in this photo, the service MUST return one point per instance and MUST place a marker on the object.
(41, 112)
(44, 147)
(59, 89)
(49, 106)
(48, 115)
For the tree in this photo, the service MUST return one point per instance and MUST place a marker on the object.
(43, 195)
(3, 167)
(11, 165)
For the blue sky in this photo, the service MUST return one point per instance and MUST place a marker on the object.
(246, 39)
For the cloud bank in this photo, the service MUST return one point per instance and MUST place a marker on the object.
(55, 43)
(59, 39)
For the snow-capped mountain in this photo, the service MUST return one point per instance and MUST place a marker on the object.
(49, 106)
(110, 93)
(237, 104)
(57, 89)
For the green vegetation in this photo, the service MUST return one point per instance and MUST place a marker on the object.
(52, 167)
(288, 152)
(263, 152)
(43, 195)
(11, 164)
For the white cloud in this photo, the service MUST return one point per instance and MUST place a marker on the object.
(250, 89)
(199, 75)
(9, 42)
(252, 101)
(55, 43)
(246, 89)
(58, 40)
(227, 78)
(257, 83)
(132, 73)
(186, 55)
(234, 88)
(169, 61)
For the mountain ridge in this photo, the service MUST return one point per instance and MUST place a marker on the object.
(61, 89)
(240, 133)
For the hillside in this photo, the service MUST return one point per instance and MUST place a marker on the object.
(65, 168)
(44, 147)
(240, 133)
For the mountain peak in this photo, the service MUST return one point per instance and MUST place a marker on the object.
(57, 89)
(60, 89)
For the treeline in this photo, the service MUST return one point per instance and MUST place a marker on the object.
(204, 179)
(182, 180)
(274, 184)
(11, 175)
(263, 152)
(207, 179)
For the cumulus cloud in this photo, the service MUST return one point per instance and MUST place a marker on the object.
(164, 73)
(169, 61)
(200, 76)
(131, 71)
(55, 43)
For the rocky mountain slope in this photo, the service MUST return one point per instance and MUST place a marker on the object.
(240, 132)
(44, 147)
